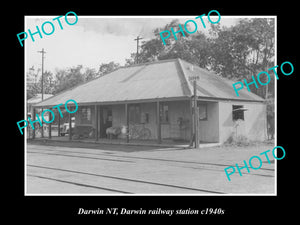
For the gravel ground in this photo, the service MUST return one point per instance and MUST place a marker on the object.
(80, 168)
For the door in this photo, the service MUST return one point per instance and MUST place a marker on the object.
(105, 120)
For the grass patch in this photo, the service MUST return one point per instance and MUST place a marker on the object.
(242, 141)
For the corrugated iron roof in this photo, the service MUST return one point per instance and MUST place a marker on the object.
(213, 86)
(155, 80)
(38, 98)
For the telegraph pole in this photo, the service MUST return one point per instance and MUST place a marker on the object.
(196, 116)
(137, 48)
(195, 111)
(43, 52)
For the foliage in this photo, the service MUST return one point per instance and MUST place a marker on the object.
(36, 87)
(235, 52)
(239, 140)
(66, 78)
(89, 74)
(244, 50)
(105, 68)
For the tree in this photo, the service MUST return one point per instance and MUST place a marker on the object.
(32, 90)
(107, 68)
(244, 50)
(36, 87)
(68, 78)
(150, 50)
(90, 74)
(71, 77)
(192, 48)
(130, 61)
(48, 82)
(235, 52)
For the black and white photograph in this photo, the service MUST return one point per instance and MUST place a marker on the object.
(171, 115)
(117, 107)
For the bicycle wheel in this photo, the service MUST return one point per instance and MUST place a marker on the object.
(145, 134)
(132, 133)
(38, 132)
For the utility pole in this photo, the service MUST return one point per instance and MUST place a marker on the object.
(196, 116)
(195, 112)
(137, 48)
(43, 52)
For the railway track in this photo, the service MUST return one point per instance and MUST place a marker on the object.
(116, 183)
(121, 179)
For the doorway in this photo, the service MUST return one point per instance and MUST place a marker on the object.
(105, 120)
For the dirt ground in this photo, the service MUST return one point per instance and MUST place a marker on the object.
(87, 168)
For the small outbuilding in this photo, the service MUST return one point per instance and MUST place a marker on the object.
(154, 101)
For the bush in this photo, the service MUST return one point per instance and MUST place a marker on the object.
(83, 132)
(240, 140)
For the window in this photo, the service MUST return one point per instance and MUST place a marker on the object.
(202, 111)
(86, 115)
(144, 117)
(238, 112)
(134, 114)
(164, 113)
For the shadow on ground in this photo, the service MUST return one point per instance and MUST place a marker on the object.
(102, 146)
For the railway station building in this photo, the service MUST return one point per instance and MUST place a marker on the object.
(154, 102)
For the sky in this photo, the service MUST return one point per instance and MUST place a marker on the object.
(94, 39)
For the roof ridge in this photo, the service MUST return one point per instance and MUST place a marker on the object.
(225, 80)
(149, 63)
(185, 82)
(163, 73)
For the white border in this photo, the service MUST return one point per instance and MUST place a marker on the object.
(129, 195)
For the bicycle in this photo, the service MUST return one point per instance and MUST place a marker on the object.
(37, 130)
(135, 132)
